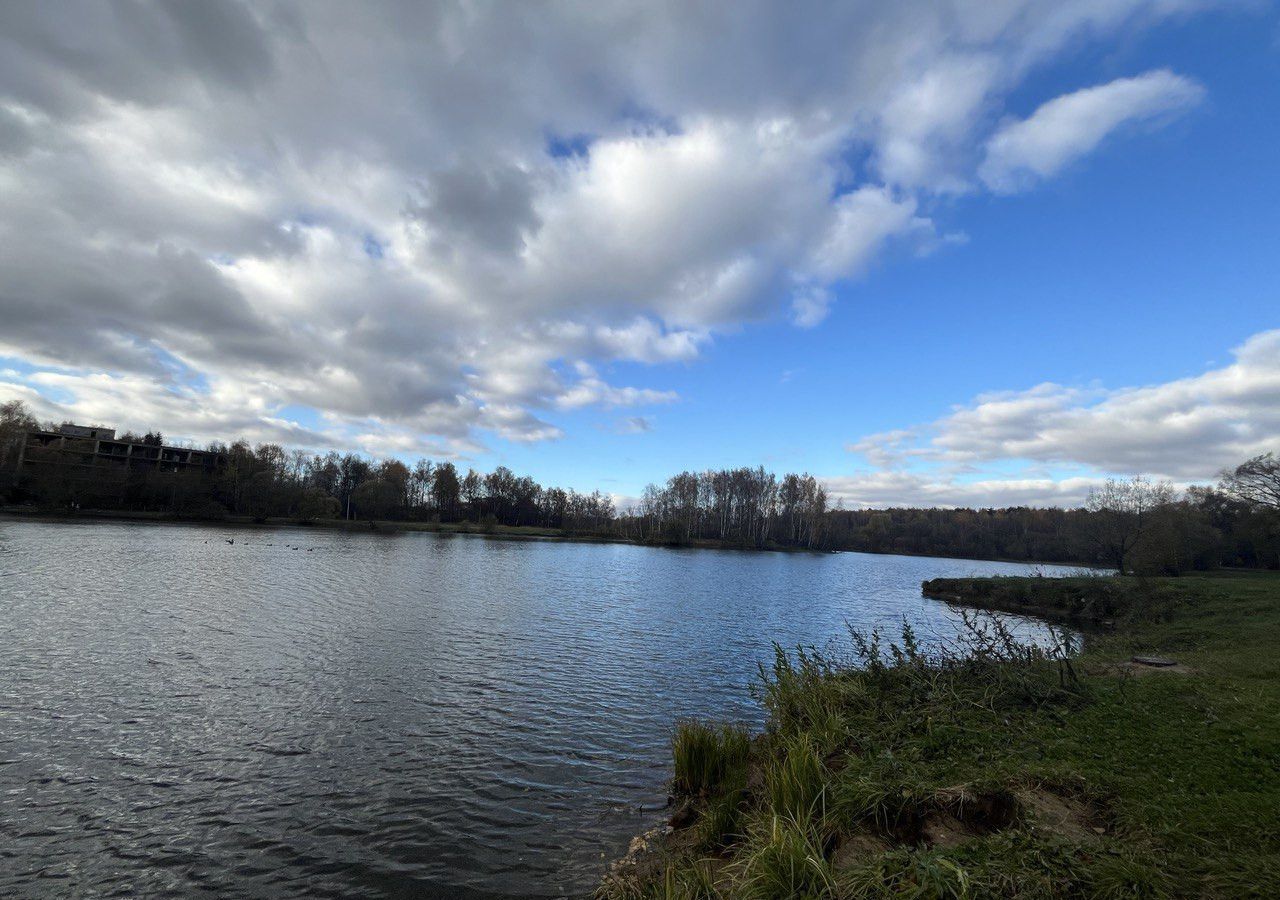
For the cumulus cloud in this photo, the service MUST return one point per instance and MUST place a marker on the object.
(1186, 430)
(860, 223)
(926, 121)
(411, 221)
(591, 390)
(1068, 127)
(139, 402)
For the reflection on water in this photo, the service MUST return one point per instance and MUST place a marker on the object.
(304, 713)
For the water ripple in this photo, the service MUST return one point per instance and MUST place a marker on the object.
(385, 716)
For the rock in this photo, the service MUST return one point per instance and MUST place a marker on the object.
(1158, 661)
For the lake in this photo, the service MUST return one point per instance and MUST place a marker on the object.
(327, 714)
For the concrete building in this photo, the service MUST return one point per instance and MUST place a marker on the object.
(88, 447)
(86, 431)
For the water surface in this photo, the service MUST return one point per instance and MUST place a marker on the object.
(312, 714)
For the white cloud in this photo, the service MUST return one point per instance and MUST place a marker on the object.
(140, 403)
(641, 340)
(634, 425)
(591, 390)
(859, 224)
(925, 123)
(1068, 127)
(884, 489)
(1186, 430)
(810, 305)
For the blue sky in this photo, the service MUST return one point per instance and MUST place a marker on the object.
(1145, 263)
(994, 328)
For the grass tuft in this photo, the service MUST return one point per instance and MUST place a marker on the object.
(708, 755)
(721, 824)
(795, 781)
(1127, 876)
(694, 882)
(785, 858)
(909, 874)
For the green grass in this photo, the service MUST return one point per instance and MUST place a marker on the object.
(784, 857)
(995, 770)
(707, 756)
(795, 780)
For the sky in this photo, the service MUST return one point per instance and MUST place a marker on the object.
(935, 253)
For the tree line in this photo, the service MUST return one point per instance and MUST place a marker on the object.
(1133, 525)
(746, 507)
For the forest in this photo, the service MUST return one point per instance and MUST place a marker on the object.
(1133, 525)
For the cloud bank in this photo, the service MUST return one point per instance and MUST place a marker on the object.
(1186, 430)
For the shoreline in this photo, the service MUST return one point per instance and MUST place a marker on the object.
(1083, 601)
(499, 532)
(994, 772)
(382, 526)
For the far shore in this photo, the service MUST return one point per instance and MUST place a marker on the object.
(378, 526)
(497, 532)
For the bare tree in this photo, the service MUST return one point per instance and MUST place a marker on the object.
(445, 490)
(15, 421)
(1122, 515)
(1255, 481)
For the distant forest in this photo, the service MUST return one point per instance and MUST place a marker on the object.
(1133, 525)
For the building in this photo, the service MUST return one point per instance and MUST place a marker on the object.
(90, 431)
(85, 448)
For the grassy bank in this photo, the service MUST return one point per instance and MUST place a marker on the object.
(1086, 600)
(992, 769)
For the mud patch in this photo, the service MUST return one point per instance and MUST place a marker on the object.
(945, 831)
(961, 813)
(856, 848)
(1064, 813)
(1130, 669)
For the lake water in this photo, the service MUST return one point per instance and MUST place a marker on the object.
(306, 713)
